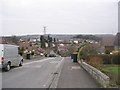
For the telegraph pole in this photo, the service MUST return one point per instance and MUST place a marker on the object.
(45, 36)
(44, 30)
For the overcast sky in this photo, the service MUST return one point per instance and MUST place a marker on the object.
(21, 17)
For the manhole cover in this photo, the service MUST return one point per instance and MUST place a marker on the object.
(55, 72)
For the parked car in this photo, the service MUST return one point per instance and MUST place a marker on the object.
(10, 56)
(52, 55)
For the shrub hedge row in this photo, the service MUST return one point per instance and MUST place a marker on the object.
(106, 59)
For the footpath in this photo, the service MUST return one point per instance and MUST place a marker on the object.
(74, 76)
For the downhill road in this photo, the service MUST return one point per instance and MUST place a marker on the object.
(55, 72)
(36, 74)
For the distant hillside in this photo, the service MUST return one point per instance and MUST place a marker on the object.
(96, 37)
(10, 40)
(62, 36)
(59, 36)
(90, 37)
(104, 35)
(29, 36)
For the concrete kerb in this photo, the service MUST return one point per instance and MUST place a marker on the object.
(100, 77)
(33, 58)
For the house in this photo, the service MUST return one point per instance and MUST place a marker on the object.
(109, 49)
(107, 43)
(117, 41)
(31, 47)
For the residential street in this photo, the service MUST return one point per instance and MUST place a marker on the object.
(59, 44)
(55, 72)
(36, 74)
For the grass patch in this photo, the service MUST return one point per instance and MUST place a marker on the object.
(110, 69)
(113, 71)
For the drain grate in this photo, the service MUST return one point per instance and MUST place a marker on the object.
(55, 73)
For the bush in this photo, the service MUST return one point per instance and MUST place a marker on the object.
(115, 59)
(94, 60)
(97, 60)
(106, 59)
(86, 50)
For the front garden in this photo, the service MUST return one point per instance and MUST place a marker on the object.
(108, 64)
(113, 71)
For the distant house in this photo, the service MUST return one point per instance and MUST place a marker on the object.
(117, 41)
(76, 42)
(117, 47)
(31, 47)
(107, 43)
(33, 40)
(1, 41)
(24, 44)
(109, 49)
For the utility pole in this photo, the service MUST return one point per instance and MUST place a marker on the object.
(44, 30)
(45, 36)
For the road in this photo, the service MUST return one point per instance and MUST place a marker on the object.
(37, 74)
(55, 72)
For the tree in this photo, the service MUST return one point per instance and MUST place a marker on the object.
(54, 40)
(86, 50)
(49, 40)
(14, 39)
(117, 39)
(42, 41)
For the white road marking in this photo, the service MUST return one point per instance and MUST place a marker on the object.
(48, 80)
(59, 63)
(75, 67)
(51, 76)
(59, 69)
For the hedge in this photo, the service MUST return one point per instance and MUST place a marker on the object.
(106, 59)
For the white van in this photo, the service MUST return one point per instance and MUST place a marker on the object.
(10, 56)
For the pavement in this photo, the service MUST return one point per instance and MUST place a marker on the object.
(74, 76)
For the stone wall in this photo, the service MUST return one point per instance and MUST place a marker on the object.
(102, 79)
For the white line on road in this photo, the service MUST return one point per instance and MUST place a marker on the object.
(52, 77)
(59, 63)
